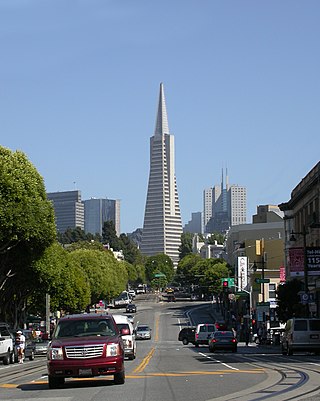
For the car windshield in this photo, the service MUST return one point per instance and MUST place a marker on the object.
(85, 327)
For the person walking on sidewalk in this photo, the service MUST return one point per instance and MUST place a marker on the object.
(20, 345)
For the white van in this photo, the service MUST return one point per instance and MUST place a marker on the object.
(203, 333)
(301, 334)
(129, 340)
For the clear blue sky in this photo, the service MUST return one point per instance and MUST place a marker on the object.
(79, 84)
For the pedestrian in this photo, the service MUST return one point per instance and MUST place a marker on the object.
(260, 332)
(20, 343)
(247, 335)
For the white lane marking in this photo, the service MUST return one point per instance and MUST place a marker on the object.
(180, 327)
(216, 360)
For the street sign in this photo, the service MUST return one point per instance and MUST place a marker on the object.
(262, 280)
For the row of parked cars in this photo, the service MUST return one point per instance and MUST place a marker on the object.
(298, 335)
(8, 352)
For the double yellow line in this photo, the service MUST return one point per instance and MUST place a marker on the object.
(147, 358)
(144, 362)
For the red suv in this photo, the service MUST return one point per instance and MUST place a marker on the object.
(85, 345)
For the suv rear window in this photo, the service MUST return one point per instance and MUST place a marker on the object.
(123, 326)
(301, 325)
(85, 327)
(314, 325)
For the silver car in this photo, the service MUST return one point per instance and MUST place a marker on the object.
(143, 332)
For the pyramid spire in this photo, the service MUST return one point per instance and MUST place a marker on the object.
(162, 126)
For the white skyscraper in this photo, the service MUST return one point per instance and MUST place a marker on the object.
(162, 226)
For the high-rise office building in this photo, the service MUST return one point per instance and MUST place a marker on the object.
(98, 211)
(228, 206)
(68, 209)
(162, 226)
(195, 225)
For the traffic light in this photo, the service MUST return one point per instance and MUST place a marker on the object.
(225, 285)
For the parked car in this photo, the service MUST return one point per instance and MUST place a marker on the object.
(128, 337)
(223, 340)
(131, 308)
(301, 335)
(132, 294)
(171, 298)
(30, 347)
(203, 333)
(143, 332)
(41, 346)
(85, 345)
(7, 349)
(187, 335)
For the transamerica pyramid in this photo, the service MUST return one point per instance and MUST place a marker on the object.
(162, 226)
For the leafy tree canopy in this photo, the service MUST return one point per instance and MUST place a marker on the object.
(220, 238)
(160, 263)
(109, 236)
(186, 245)
(27, 229)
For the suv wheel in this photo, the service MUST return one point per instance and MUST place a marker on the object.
(6, 358)
(185, 341)
(283, 350)
(119, 378)
(55, 382)
(12, 357)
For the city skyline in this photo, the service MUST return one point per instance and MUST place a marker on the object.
(241, 78)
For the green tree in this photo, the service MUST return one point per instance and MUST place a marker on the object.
(64, 281)
(220, 238)
(73, 235)
(160, 263)
(184, 273)
(109, 236)
(130, 250)
(209, 273)
(186, 245)
(27, 229)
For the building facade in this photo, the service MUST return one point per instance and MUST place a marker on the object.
(68, 209)
(98, 211)
(162, 226)
(195, 225)
(302, 234)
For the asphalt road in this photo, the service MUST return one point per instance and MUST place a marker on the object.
(167, 370)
